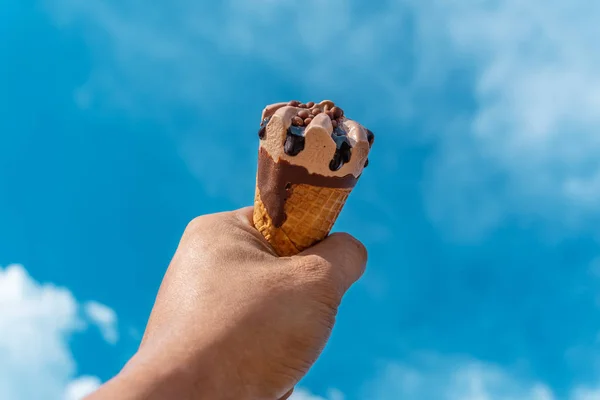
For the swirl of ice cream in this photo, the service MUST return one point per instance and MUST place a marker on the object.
(318, 137)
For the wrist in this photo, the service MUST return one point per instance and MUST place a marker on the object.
(152, 375)
(160, 376)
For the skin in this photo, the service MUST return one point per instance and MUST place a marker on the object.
(234, 321)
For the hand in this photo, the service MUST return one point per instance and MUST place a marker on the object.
(234, 321)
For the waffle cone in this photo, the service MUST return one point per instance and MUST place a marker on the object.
(311, 212)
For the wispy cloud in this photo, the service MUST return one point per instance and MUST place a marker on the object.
(198, 59)
(528, 150)
(303, 394)
(432, 376)
(506, 91)
(105, 318)
(36, 322)
(81, 387)
(171, 54)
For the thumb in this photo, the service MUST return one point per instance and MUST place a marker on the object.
(344, 254)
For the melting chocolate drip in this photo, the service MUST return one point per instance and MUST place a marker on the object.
(371, 139)
(294, 142)
(336, 163)
(262, 132)
(275, 181)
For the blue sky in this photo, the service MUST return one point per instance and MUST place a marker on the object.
(120, 121)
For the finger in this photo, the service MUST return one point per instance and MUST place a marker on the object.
(246, 214)
(345, 254)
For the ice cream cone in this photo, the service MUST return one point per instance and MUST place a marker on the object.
(311, 212)
(305, 172)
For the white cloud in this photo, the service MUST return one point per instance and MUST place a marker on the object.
(586, 394)
(523, 146)
(155, 62)
(435, 377)
(530, 148)
(104, 318)
(81, 387)
(303, 394)
(36, 322)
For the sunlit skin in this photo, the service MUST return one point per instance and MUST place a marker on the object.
(232, 320)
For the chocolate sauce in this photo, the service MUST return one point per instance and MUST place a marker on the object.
(262, 132)
(294, 141)
(370, 137)
(343, 151)
(275, 180)
(336, 162)
(293, 145)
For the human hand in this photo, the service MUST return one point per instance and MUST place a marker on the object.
(234, 321)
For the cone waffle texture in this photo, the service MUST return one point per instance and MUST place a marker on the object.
(311, 212)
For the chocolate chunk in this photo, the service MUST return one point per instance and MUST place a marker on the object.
(336, 163)
(310, 104)
(307, 121)
(303, 114)
(262, 132)
(294, 103)
(302, 105)
(329, 113)
(327, 104)
(297, 121)
(316, 111)
(293, 144)
(370, 137)
(367, 163)
(337, 112)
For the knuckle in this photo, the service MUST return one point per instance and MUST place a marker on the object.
(355, 246)
(313, 266)
(313, 261)
(195, 233)
(315, 274)
(215, 223)
(195, 224)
